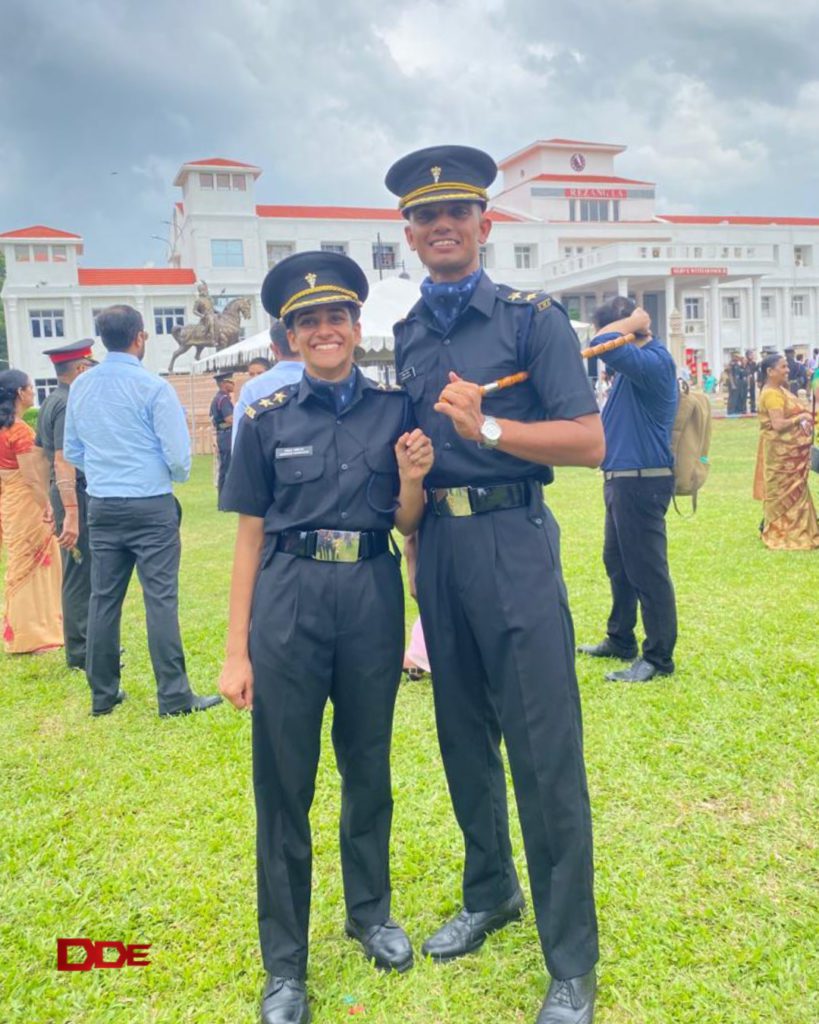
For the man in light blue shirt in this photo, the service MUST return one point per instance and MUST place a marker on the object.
(126, 431)
(288, 370)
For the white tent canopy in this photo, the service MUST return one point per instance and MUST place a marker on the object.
(240, 353)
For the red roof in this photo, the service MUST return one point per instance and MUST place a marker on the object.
(350, 213)
(751, 221)
(38, 231)
(135, 275)
(218, 161)
(608, 179)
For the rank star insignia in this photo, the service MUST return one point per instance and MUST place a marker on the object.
(265, 402)
(436, 173)
(530, 296)
(514, 295)
(278, 398)
(311, 279)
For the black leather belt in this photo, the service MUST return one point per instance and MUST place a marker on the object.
(334, 545)
(472, 501)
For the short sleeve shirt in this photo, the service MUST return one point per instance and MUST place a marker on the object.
(299, 464)
(501, 332)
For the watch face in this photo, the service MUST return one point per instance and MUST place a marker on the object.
(490, 430)
(578, 161)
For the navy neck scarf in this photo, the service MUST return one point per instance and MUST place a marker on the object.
(337, 395)
(446, 300)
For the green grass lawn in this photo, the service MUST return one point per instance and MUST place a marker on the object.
(703, 790)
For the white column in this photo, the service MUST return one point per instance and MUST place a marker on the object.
(756, 314)
(785, 328)
(714, 349)
(639, 296)
(670, 305)
(622, 286)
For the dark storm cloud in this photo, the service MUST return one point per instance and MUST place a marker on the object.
(103, 101)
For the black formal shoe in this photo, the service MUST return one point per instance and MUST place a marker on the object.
(570, 1001)
(386, 945)
(467, 931)
(120, 697)
(284, 1001)
(639, 672)
(606, 649)
(199, 704)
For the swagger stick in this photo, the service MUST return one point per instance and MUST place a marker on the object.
(607, 346)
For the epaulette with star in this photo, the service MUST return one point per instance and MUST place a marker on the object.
(275, 401)
(539, 299)
(389, 389)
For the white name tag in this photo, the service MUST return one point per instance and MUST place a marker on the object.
(293, 453)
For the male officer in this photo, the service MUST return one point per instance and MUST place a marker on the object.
(321, 471)
(68, 498)
(490, 589)
(221, 414)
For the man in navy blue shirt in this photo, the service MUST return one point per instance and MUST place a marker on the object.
(639, 485)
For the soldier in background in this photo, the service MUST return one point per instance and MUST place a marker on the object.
(68, 499)
(221, 414)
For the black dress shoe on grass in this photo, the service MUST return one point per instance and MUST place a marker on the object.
(199, 704)
(284, 1001)
(386, 945)
(570, 1001)
(639, 672)
(606, 649)
(120, 697)
(467, 931)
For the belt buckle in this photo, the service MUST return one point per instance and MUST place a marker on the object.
(454, 502)
(337, 545)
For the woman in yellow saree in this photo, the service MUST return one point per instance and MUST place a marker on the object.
(32, 619)
(781, 478)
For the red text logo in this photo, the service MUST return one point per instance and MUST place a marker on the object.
(114, 955)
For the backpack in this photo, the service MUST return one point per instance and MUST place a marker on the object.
(690, 441)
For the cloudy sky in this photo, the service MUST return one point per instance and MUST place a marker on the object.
(103, 100)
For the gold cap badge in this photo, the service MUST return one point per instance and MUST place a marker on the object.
(311, 279)
(436, 173)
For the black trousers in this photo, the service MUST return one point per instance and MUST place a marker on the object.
(76, 587)
(635, 553)
(223, 447)
(322, 630)
(123, 533)
(501, 647)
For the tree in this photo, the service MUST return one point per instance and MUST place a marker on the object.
(4, 348)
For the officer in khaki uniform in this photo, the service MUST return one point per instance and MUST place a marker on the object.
(321, 471)
(490, 588)
(68, 499)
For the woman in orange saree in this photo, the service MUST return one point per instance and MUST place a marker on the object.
(781, 478)
(32, 618)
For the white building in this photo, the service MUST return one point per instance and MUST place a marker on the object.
(564, 222)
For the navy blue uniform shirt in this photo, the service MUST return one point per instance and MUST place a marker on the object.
(500, 332)
(639, 412)
(299, 465)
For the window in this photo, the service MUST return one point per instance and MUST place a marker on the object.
(44, 386)
(206, 181)
(693, 308)
(238, 182)
(168, 317)
(59, 253)
(766, 303)
(524, 257)
(798, 305)
(730, 307)
(385, 256)
(94, 314)
(487, 257)
(46, 323)
(801, 255)
(615, 209)
(339, 247)
(697, 252)
(22, 253)
(41, 254)
(227, 252)
(278, 251)
(223, 182)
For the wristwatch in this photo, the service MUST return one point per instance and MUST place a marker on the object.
(490, 432)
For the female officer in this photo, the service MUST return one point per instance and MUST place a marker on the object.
(321, 471)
